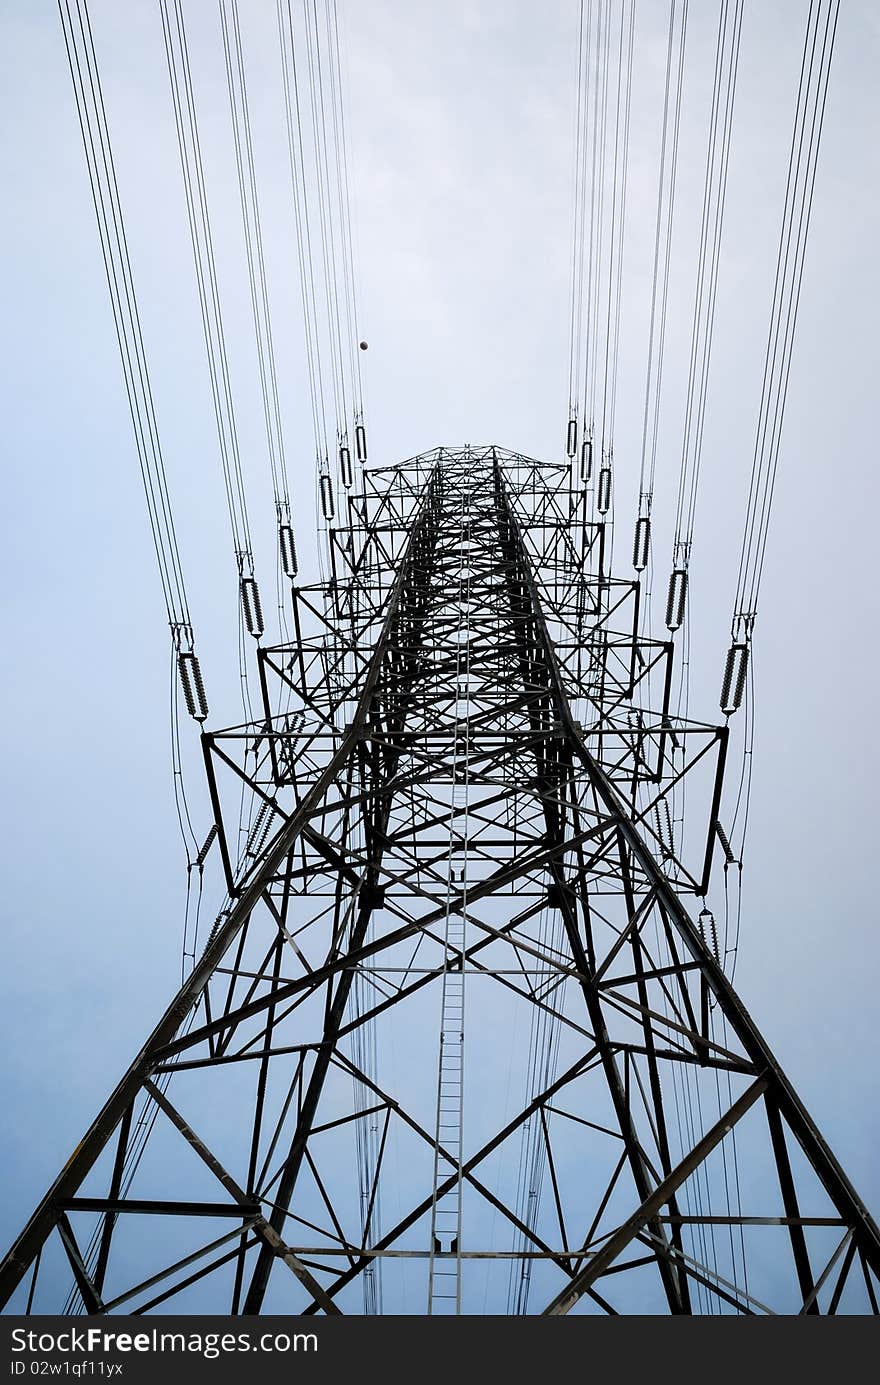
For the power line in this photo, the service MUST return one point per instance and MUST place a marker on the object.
(708, 259)
(669, 144)
(92, 116)
(316, 133)
(262, 318)
(576, 303)
(800, 186)
(302, 217)
(192, 168)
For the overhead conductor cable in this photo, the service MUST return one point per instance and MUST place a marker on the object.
(577, 233)
(708, 260)
(669, 141)
(259, 291)
(177, 57)
(800, 185)
(322, 208)
(117, 267)
(616, 247)
(602, 50)
(337, 92)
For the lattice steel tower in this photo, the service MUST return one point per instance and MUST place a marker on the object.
(455, 1043)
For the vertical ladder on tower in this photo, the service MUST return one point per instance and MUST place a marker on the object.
(444, 1277)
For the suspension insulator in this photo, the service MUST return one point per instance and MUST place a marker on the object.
(345, 466)
(603, 499)
(360, 442)
(252, 607)
(586, 459)
(571, 440)
(734, 684)
(260, 829)
(709, 932)
(676, 597)
(723, 838)
(289, 564)
(193, 687)
(663, 819)
(641, 543)
(206, 847)
(327, 497)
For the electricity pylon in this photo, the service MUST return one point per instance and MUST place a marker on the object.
(455, 1044)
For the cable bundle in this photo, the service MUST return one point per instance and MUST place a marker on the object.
(317, 144)
(709, 254)
(117, 267)
(259, 289)
(604, 98)
(669, 141)
(177, 57)
(800, 184)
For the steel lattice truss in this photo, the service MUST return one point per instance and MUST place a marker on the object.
(455, 1043)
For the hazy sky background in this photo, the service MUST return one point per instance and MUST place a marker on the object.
(461, 119)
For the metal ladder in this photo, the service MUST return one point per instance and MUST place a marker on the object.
(444, 1276)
